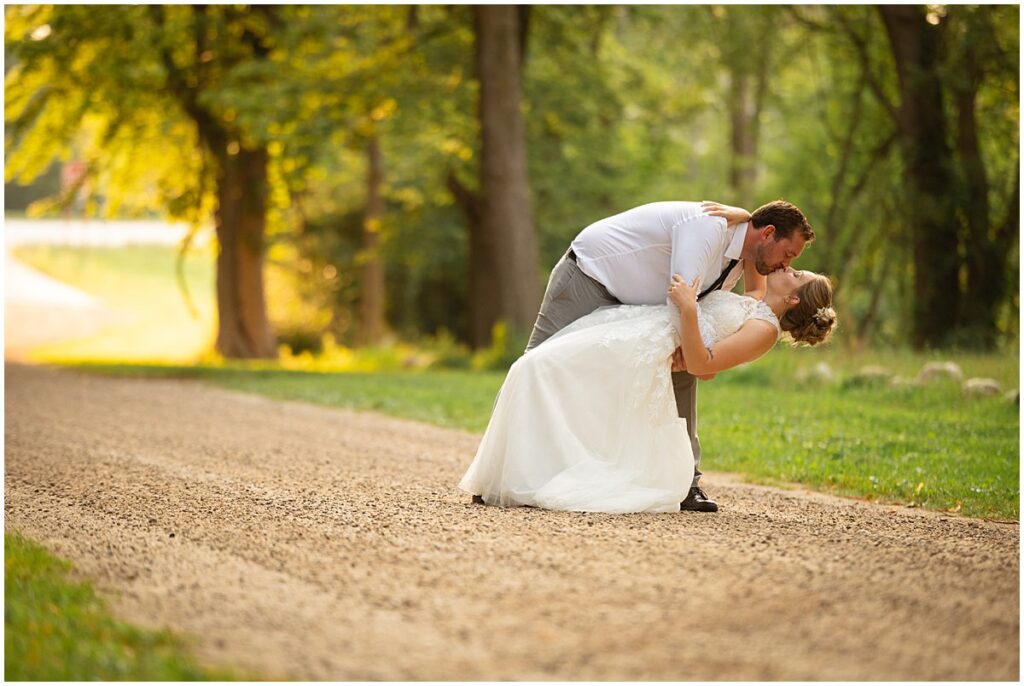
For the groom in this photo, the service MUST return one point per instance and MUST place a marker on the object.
(630, 259)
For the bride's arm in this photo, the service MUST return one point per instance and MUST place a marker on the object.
(753, 339)
(732, 215)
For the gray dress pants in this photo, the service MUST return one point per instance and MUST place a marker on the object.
(571, 294)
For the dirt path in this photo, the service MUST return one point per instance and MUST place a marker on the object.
(309, 543)
(40, 310)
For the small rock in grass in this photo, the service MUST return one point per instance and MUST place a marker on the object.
(981, 387)
(870, 375)
(938, 371)
(1012, 396)
(819, 373)
(903, 382)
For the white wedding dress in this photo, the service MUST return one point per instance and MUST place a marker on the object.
(587, 420)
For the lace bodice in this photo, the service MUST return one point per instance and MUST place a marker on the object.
(722, 313)
(719, 315)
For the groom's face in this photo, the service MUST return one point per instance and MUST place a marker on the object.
(773, 255)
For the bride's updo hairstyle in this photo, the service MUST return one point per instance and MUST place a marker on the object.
(812, 320)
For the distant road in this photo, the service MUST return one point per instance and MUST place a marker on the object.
(92, 232)
(39, 309)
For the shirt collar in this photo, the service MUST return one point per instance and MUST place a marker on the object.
(735, 249)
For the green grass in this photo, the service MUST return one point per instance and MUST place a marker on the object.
(57, 629)
(928, 447)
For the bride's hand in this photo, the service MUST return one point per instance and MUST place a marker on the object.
(732, 215)
(678, 361)
(681, 293)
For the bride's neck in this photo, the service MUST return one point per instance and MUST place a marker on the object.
(776, 302)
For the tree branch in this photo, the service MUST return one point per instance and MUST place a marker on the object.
(844, 157)
(865, 60)
(523, 14)
(876, 156)
(464, 197)
(1007, 229)
(805, 22)
(176, 80)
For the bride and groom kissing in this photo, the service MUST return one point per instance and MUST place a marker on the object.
(600, 412)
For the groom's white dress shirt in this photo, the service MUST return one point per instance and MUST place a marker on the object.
(635, 253)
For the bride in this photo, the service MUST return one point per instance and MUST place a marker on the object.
(588, 421)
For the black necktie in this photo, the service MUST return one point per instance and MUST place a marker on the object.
(720, 280)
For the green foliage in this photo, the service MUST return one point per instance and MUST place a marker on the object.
(506, 347)
(623, 105)
(88, 84)
(57, 629)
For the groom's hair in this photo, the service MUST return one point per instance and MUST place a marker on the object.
(785, 217)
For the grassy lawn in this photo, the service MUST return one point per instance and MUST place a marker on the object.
(57, 629)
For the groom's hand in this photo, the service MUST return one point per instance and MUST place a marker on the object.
(678, 361)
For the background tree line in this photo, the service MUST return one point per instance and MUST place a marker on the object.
(380, 171)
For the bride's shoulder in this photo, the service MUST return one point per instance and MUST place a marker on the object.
(759, 310)
(723, 297)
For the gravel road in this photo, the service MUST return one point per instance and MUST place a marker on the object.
(302, 542)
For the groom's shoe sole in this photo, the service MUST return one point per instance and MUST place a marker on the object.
(709, 506)
(698, 501)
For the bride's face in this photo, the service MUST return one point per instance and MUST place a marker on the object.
(785, 281)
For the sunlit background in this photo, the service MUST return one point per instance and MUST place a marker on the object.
(350, 141)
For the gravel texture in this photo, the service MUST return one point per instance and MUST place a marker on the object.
(301, 542)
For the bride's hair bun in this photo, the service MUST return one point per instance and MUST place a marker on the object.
(812, 320)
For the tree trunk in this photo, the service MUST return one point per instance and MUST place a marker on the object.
(866, 324)
(928, 166)
(371, 293)
(483, 291)
(243, 330)
(747, 94)
(748, 85)
(986, 259)
(506, 222)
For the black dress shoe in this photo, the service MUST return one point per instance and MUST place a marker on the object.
(698, 501)
(478, 500)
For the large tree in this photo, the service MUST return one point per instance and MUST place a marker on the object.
(503, 274)
(158, 88)
(981, 62)
(928, 159)
(910, 213)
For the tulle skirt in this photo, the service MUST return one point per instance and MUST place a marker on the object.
(587, 421)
